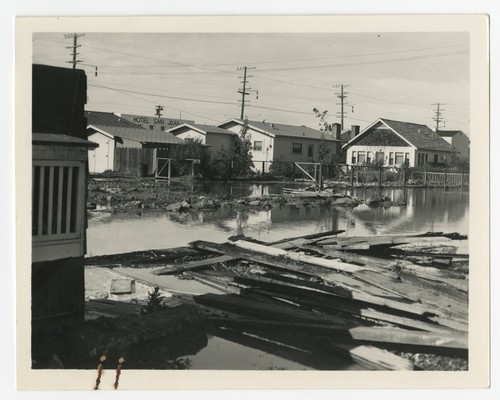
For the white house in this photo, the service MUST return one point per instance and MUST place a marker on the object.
(110, 131)
(393, 143)
(459, 141)
(212, 136)
(281, 142)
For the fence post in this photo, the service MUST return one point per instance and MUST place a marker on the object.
(357, 175)
(425, 177)
(462, 180)
(169, 168)
(351, 177)
(263, 167)
(293, 171)
(404, 176)
(380, 176)
(445, 179)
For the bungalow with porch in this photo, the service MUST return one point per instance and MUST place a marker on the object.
(393, 143)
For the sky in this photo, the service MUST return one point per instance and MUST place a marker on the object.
(195, 76)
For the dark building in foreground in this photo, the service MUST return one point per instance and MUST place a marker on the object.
(59, 190)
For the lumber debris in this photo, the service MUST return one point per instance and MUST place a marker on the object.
(357, 298)
(193, 265)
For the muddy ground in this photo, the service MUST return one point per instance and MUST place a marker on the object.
(123, 194)
(129, 194)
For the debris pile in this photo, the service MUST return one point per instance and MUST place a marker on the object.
(382, 302)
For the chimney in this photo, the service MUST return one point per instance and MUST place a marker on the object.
(355, 130)
(336, 132)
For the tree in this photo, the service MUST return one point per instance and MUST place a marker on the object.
(243, 163)
(324, 127)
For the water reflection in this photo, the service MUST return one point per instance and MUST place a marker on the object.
(428, 209)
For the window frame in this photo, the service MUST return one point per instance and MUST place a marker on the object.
(255, 148)
(296, 149)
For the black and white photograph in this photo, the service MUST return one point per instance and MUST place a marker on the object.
(265, 200)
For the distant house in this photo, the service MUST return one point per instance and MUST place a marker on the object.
(394, 143)
(459, 141)
(212, 136)
(281, 142)
(112, 132)
(59, 187)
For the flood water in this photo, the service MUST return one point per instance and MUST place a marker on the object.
(427, 209)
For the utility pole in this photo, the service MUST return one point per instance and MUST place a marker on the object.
(158, 110)
(342, 95)
(75, 37)
(244, 91)
(438, 114)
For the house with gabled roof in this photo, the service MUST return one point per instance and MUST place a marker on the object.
(215, 138)
(111, 131)
(282, 142)
(394, 143)
(459, 140)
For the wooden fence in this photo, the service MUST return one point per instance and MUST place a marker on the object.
(404, 176)
(135, 161)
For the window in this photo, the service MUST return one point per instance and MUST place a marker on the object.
(297, 148)
(257, 145)
(407, 158)
(399, 158)
(151, 127)
(391, 158)
(368, 157)
(353, 158)
(310, 150)
(361, 157)
(55, 199)
(379, 156)
(162, 128)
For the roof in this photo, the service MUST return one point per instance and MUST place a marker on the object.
(417, 135)
(57, 139)
(203, 128)
(276, 129)
(448, 133)
(119, 127)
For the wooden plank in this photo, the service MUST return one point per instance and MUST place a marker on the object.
(412, 308)
(337, 278)
(331, 302)
(377, 359)
(40, 200)
(193, 265)
(388, 265)
(309, 236)
(68, 199)
(332, 264)
(246, 306)
(453, 343)
(59, 200)
(50, 201)
(215, 283)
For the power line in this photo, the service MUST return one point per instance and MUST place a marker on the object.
(342, 56)
(164, 96)
(367, 62)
